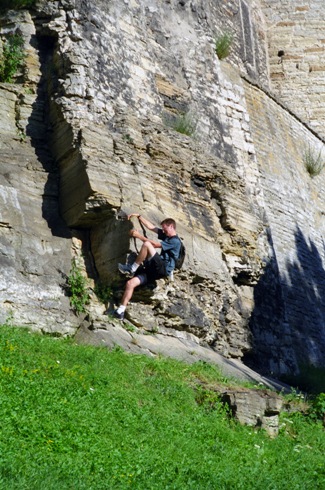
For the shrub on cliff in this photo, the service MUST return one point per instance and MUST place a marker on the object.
(12, 57)
(77, 289)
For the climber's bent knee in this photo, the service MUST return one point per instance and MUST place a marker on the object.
(133, 282)
(151, 249)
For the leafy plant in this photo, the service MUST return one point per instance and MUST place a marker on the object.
(107, 292)
(318, 407)
(12, 57)
(77, 289)
(295, 396)
(223, 45)
(209, 399)
(21, 135)
(313, 161)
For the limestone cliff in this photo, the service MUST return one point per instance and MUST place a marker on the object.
(87, 132)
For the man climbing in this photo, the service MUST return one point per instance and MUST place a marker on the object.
(153, 265)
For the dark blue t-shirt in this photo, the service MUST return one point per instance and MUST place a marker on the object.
(170, 248)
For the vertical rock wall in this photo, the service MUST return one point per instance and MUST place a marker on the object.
(296, 43)
(89, 119)
(35, 253)
(289, 319)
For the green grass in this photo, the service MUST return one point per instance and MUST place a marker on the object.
(182, 123)
(80, 417)
(223, 46)
(313, 161)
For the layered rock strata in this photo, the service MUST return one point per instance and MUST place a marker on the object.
(94, 116)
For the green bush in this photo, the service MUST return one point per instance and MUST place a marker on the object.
(77, 289)
(12, 57)
(313, 161)
(223, 46)
(317, 409)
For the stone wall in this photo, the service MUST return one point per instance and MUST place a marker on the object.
(296, 45)
(289, 318)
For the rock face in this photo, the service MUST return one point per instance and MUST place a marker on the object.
(90, 127)
(297, 57)
(255, 408)
(34, 240)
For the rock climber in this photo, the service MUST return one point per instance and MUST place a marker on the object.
(149, 265)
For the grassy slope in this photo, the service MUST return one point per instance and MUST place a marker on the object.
(76, 417)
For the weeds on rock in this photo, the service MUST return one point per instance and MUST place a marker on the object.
(131, 328)
(209, 399)
(313, 161)
(107, 293)
(183, 123)
(223, 46)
